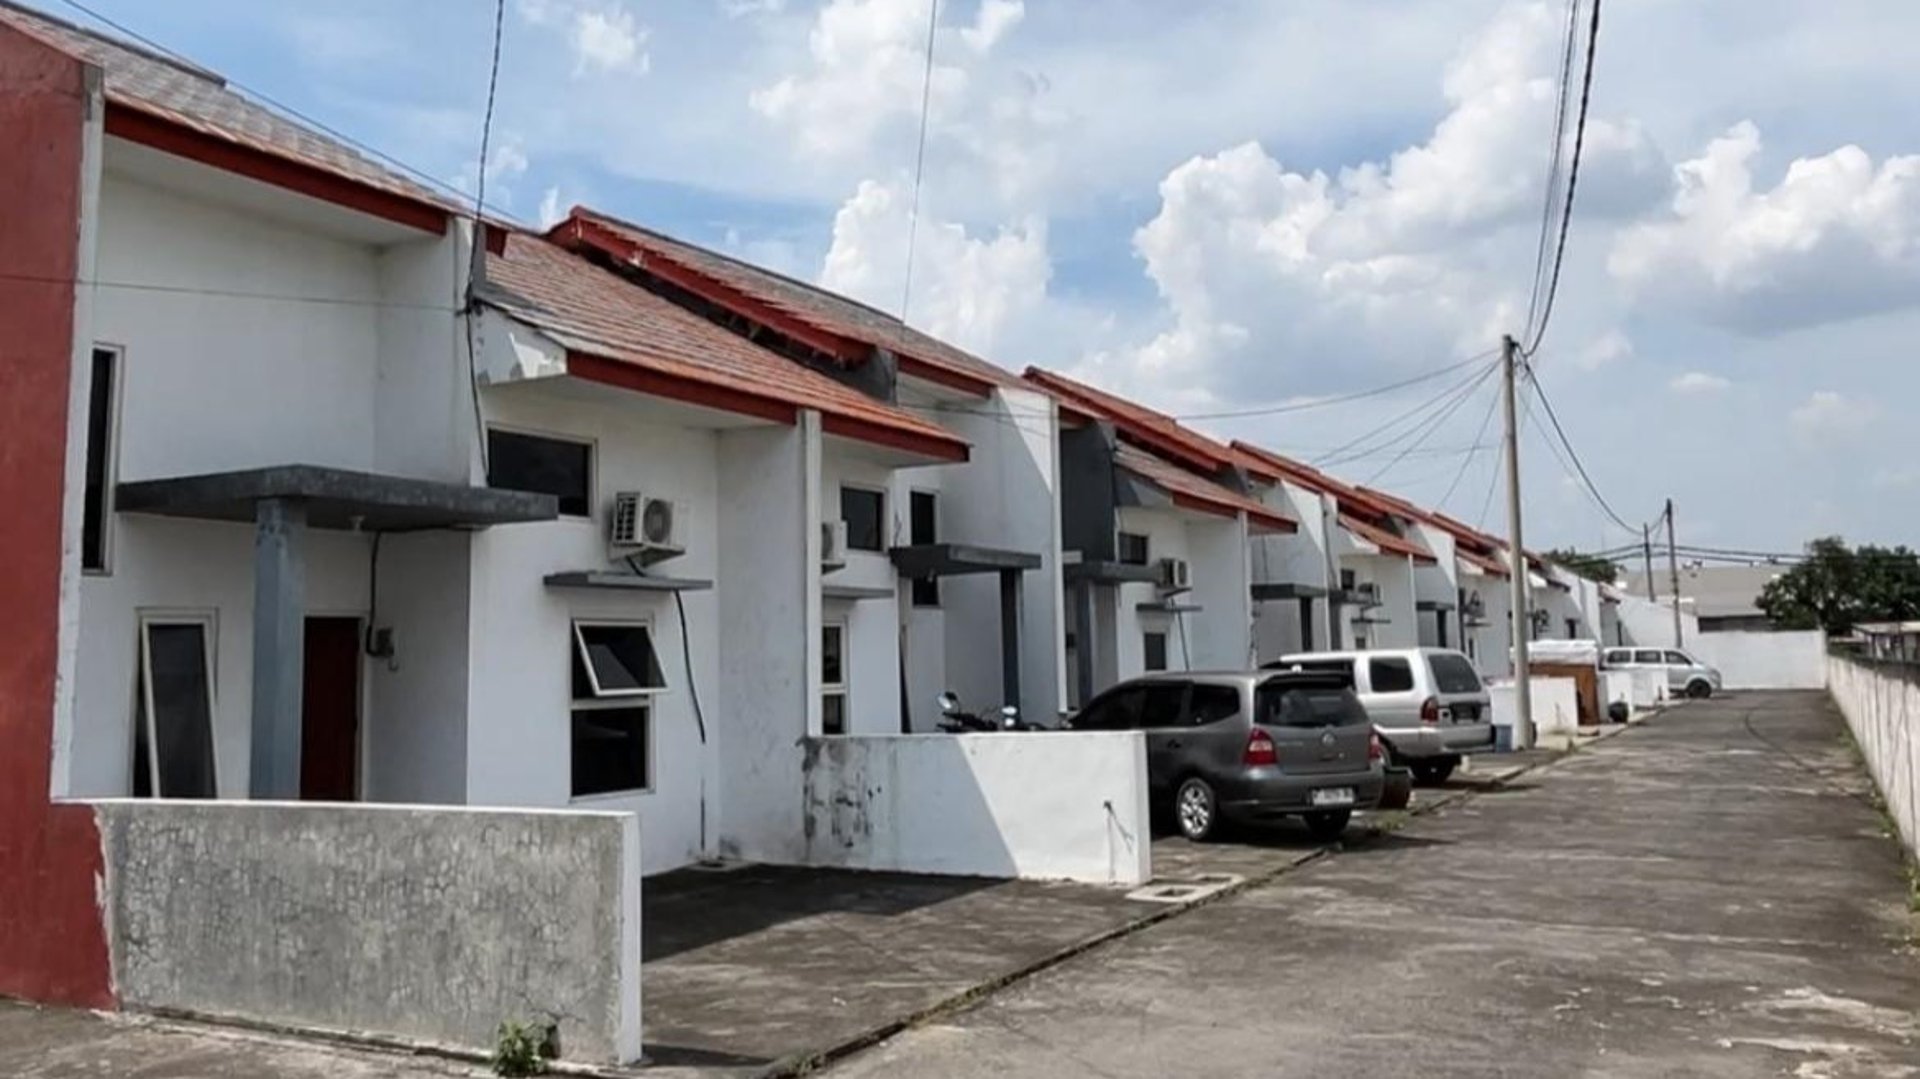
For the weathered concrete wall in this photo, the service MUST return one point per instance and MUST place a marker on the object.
(1795, 660)
(1881, 701)
(432, 924)
(1066, 805)
(1556, 705)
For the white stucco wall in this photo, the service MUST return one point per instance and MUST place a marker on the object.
(1007, 495)
(519, 715)
(1051, 805)
(1881, 702)
(1393, 576)
(1167, 537)
(769, 547)
(415, 731)
(1492, 649)
(873, 625)
(1785, 660)
(1650, 624)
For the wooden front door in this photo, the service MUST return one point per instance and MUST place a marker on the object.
(330, 712)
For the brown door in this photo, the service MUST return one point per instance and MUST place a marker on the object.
(330, 711)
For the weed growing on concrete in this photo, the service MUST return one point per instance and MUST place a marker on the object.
(521, 1049)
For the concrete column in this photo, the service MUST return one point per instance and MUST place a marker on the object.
(1010, 637)
(279, 646)
(1083, 634)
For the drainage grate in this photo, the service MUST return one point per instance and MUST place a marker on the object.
(1184, 891)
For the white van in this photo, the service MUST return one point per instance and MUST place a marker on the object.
(1428, 704)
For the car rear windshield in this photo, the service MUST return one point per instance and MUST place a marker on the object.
(1294, 706)
(1453, 674)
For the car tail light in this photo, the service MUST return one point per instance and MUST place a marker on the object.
(1430, 710)
(1376, 749)
(1260, 750)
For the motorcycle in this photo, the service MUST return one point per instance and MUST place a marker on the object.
(957, 720)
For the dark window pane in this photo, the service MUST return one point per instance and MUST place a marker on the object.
(93, 521)
(1115, 710)
(923, 527)
(1646, 656)
(548, 466)
(1678, 659)
(1347, 580)
(833, 655)
(1453, 674)
(1132, 548)
(1292, 706)
(609, 750)
(1390, 675)
(833, 713)
(1155, 647)
(142, 756)
(621, 658)
(1211, 704)
(865, 512)
(182, 739)
(1161, 707)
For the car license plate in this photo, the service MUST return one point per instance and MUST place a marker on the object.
(1333, 796)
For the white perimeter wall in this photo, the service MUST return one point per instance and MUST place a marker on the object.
(1045, 805)
(1881, 701)
(519, 714)
(1790, 660)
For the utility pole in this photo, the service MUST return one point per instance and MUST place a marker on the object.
(1673, 571)
(1646, 548)
(1516, 551)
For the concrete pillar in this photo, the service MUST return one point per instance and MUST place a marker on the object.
(279, 646)
(1010, 637)
(1083, 631)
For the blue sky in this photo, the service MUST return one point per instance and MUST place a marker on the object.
(1239, 203)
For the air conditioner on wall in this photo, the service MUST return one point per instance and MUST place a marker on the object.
(1475, 606)
(1175, 575)
(833, 544)
(645, 528)
(1368, 593)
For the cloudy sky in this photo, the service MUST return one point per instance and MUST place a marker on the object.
(1232, 205)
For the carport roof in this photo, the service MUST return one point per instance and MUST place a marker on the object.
(1198, 493)
(335, 498)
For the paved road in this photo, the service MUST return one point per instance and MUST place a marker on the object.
(1710, 895)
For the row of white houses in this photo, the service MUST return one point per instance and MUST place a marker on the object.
(375, 504)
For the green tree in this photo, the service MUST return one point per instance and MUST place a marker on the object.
(1838, 587)
(1592, 567)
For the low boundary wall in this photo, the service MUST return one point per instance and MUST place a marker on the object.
(1881, 700)
(1794, 659)
(1042, 805)
(426, 923)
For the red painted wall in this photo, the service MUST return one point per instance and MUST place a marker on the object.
(52, 943)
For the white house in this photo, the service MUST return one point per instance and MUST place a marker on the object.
(939, 561)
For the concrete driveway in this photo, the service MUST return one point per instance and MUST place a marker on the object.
(1709, 895)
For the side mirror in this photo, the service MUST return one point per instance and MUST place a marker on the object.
(948, 701)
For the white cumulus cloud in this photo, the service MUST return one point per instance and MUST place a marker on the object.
(992, 22)
(609, 40)
(1827, 418)
(1837, 237)
(1698, 382)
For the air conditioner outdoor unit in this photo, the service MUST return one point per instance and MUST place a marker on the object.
(1476, 607)
(644, 528)
(1175, 575)
(833, 544)
(1368, 593)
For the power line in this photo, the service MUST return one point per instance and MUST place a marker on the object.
(1556, 161)
(919, 158)
(1431, 425)
(235, 294)
(1341, 453)
(478, 239)
(1578, 466)
(1539, 331)
(1325, 402)
(1479, 435)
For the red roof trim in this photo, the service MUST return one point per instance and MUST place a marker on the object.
(1266, 519)
(881, 435)
(693, 391)
(577, 232)
(1385, 540)
(1145, 435)
(950, 377)
(151, 129)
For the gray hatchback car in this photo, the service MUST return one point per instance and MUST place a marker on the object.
(1248, 745)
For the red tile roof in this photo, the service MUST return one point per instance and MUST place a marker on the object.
(1484, 563)
(1155, 431)
(1385, 540)
(201, 103)
(1201, 494)
(825, 321)
(618, 332)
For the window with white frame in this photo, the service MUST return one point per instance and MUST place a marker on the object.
(833, 678)
(174, 707)
(616, 672)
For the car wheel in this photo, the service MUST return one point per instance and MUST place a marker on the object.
(1196, 812)
(1432, 773)
(1327, 824)
(1699, 691)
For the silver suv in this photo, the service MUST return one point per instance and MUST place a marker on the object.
(1685, 675)
(1248, 745)
(1428, 703)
